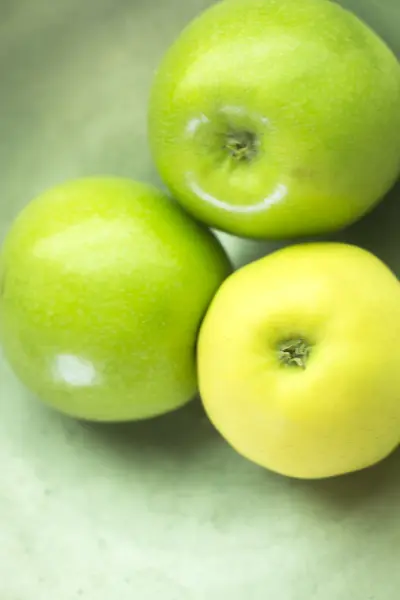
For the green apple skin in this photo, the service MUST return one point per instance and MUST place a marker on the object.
(277, 118)
(104, 284)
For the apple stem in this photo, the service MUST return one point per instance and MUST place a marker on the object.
(294, 352)
(241, 145)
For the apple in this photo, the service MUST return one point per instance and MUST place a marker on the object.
(277, 118)
(104, 283)
(298, 360)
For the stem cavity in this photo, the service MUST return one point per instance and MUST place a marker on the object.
(294, 353)
(241, 145)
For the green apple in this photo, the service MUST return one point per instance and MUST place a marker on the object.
(275, 118)
(104, 283)
(298, 360)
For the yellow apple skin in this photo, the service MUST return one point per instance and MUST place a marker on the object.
(340, 411)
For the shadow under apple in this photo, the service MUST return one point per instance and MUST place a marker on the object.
(377, 232)
(180, 434)
(349, 492)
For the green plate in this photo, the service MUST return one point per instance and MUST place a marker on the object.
(161, 510)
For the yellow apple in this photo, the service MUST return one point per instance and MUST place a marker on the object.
(299, 360)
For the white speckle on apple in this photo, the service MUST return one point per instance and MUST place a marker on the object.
(195, 123)
(74, 370)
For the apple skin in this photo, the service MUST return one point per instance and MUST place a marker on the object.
(330, 410)
(104, 283)
(277, 118)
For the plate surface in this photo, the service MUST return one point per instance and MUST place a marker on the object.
(161, 510)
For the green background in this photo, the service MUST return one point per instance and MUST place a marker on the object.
(162, 509)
